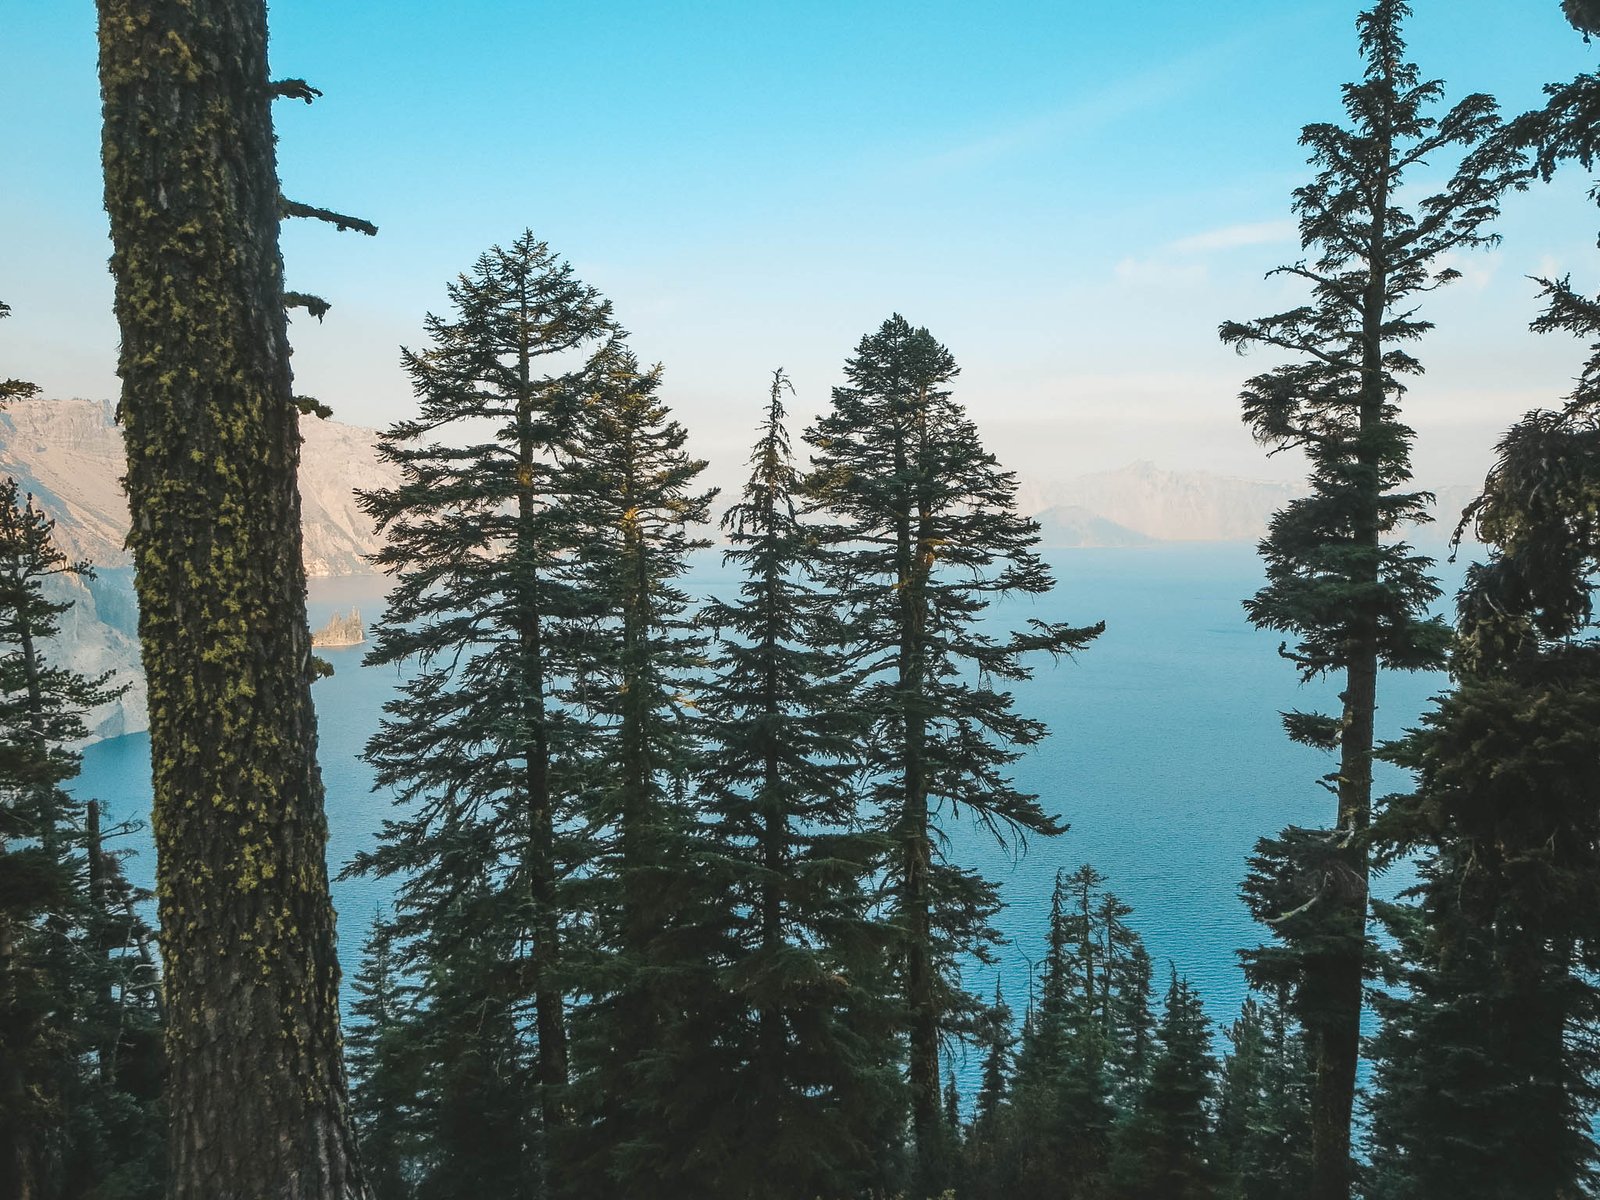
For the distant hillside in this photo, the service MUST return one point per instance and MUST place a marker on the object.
(68, 453)
(1064, 526)
(1170, 506)
(1156, 504)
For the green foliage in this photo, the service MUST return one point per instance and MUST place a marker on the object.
(1341, 582)
(487, 608)
(79, 1017)
(813, 1100)
(648, 1067)
(1164, 1149)
(1263, 1127)
(1486, 1060)
(14, 389)
(1087, 1049)
(921, 534)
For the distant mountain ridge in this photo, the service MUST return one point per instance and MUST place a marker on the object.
(69, 454)
(1154, 504)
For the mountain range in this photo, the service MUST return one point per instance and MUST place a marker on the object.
(68, 454)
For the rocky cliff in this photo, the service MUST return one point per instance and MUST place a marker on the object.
(342, 629)
(68, 453)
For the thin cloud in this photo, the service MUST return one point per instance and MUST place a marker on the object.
(1148, 89)
(1233, 237)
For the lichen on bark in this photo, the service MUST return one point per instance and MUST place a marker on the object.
(256, 1085)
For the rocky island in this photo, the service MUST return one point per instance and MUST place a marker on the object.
(342, 629)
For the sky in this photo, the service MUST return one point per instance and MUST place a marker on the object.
(1071, 196)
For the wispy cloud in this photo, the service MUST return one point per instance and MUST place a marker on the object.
(1233, 237)
(1145, 90)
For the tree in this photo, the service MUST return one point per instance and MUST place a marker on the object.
(646, 1063)
(1339, 581)
(1084, 1049)
(387, 1073)
(76, 1072)
(14, 389)
(1486, 1059)
(1164, 1151)
(1263, 1128)
(479, 542)
(255, 1087)
(814, 1096)
(923, 533)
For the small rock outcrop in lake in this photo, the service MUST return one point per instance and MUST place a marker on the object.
(342, 629)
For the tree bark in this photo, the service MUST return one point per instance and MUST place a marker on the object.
(256, 1087)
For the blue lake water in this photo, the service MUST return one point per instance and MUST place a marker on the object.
(1166, 757)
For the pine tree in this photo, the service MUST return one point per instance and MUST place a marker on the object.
(647, 1065)
(1263, 1122)
(387, 1073)
(1487, 1072)
(479, 532)
(995, 1038)
(211, 426)
(67, 922)
(14, 389)
(1339, 582)
(1084, 1053)
(814, 1097)
(1165, 1150)
(923, 534)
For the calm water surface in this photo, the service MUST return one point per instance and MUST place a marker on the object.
(1166, 757)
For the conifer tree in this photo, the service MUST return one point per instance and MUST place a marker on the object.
(479, 542)
(923, 534)
(210, 420)
(1339, 582)
(14, 389)
(1487, 1069)
(1165, 1151)
(814, 1096)
(647, 1065)
(386, 1069)
(1263, 1125)
(995, 1038)
(75, 1078)
(1085, 1050)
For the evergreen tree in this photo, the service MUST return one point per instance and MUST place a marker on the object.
(76, 1074)
(1487, 1067)
(14, 389)
(1263, 1122)
(648, 1064)
(814, 1097)
(386, 1069)
(211, 426)
(477, 745)
(923, 534)
(1165, 1150)
(995, 1038)
(1339, 582)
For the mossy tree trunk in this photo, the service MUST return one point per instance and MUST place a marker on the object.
(256, 1086)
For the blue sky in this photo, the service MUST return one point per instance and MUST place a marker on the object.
(1071, 196)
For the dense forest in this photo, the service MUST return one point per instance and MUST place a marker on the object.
(678, 909)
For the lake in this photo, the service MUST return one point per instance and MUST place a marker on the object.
(1166, 756)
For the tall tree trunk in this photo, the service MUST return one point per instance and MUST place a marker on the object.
(256, 1088)
(549, 1004)
(916, 847)
(1337, 1047)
